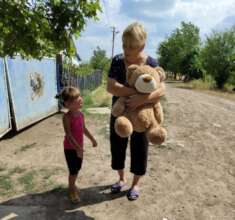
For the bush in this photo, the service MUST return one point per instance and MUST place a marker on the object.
(217, 56)
(84, 69)
(229, 87)
(201, 84)
(97, 98)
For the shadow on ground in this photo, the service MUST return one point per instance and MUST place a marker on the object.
(54, 204)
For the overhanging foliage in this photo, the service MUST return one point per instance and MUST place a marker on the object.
(38, 28)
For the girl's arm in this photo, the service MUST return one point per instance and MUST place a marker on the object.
(117, 89)
(67, 130)
(141, 99)
(90, 136)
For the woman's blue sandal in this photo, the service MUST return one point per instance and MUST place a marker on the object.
(117, 187)
(132, 194)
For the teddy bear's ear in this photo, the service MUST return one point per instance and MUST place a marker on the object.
(130, 70)
(161, 73)
(132, 67)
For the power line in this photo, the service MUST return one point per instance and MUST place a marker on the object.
(113, 39)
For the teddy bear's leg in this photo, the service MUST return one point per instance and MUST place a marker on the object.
(119, 107)
(156, 134)
(158, 112)
(123, 126)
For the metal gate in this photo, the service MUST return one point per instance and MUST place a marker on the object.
(32, 86)
(5, 120)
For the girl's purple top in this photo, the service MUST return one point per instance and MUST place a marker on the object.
(77, 129)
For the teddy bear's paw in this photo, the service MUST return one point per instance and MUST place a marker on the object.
(157, 135)
(118, 110)
(123, 127)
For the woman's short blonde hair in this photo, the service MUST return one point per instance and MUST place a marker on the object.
(134, 36)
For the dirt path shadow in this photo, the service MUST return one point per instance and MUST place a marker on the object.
(54, 204)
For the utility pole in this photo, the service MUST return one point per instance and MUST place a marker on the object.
(113, 39)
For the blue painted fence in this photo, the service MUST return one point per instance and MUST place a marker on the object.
(32, 85)
(5, 122)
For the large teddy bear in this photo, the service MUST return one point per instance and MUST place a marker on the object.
(146, 118)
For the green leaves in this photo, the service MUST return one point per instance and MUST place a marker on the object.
(99, 60)
(178, 53)
(218, 56)
(183, 53)
(43, 27)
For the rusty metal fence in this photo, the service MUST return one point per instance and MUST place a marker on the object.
(68, 78)
(88, 82)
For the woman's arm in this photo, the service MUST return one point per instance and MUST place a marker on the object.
(117, 89)
(140, 99)
(156, 95)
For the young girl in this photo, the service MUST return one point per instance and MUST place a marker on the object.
(133, 39)
(74, 127)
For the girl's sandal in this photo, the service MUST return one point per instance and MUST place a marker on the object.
(74, 198)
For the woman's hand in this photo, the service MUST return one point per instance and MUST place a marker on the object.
(135, 101)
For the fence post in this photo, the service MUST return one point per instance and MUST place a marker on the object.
(59, 66)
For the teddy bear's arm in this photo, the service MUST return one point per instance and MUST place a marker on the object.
(119, 107)
(158, 112)
(161, 73)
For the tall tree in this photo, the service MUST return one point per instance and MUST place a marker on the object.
(179, 52)
(218, 56)
(37, 28)
(99, 59)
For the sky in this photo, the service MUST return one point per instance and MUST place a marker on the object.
(159, 17)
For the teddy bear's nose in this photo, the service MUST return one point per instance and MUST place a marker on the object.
(147, 79)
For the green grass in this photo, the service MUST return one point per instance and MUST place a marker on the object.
(101, 118)
(44, 177)
(229, 87)
(27, 180)
(97, 98)
(87, 101)
(207, 87)
(202, 85)
(47, 173)
(6, 185)
(207, 84)
(195, 84)
(101, 97)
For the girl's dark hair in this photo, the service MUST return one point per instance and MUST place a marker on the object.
(68, 94)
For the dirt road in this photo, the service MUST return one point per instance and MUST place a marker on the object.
(190, 177)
